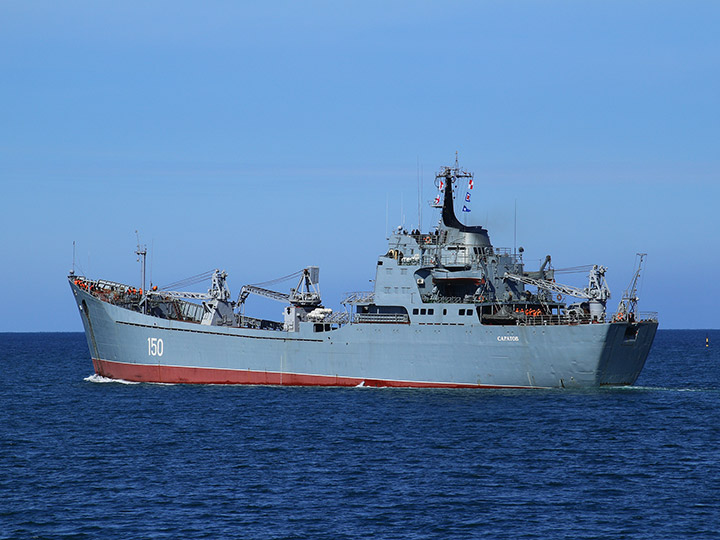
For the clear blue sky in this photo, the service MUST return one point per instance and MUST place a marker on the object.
(265, 137)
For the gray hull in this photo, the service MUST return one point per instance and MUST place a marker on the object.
(125, 344)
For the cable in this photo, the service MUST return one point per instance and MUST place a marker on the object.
(188, 281)
(574, 269)
(279, 280)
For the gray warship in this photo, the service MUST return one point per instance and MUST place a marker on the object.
(448, 310)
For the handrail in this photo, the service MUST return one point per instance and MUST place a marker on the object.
(358, 297)
(554, 320)
(397, 318)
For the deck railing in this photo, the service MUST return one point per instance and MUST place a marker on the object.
(393, 318)
(358, 297)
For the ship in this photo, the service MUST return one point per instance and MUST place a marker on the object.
(448, 310)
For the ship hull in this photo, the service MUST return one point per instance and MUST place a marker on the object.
(128, 345)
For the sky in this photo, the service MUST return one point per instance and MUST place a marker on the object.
(264, 137)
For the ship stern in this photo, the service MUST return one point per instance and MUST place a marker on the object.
(625, 352)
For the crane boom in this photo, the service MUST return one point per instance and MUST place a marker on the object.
(548, 285)
(181, 294)
(597, 289)
(298, 297)
(267, 293)
(629, 300)
(218, 290)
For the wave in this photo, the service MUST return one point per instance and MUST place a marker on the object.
(95, 378)
(662, 389)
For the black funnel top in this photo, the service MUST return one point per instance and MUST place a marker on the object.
(449, 218)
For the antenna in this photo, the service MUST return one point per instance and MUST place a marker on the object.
(417, 170)
(73, 264)
(152, 257)
(515, 230)
(420, 225)
(142, 254)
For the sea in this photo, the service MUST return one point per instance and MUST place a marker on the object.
(84, 457)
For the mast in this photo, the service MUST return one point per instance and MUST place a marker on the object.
(141, 252)
(450, 175)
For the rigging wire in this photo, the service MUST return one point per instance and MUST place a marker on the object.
(192, 280)
(279, 280)
(574, 269)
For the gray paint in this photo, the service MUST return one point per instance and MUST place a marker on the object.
(455, 269)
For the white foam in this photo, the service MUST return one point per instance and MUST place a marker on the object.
(95, 378)
(663, 389)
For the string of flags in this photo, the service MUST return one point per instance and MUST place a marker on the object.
(438, 198)
(467, 195)
(436, 202)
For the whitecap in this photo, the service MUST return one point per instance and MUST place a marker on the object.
(95, 378)
(663, 389)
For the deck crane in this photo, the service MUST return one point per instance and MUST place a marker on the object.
(597, 291)
(310, 296)
(218, 290)
(217, 306)
(628, 303)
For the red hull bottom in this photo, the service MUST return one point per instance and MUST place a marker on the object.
(191, 375)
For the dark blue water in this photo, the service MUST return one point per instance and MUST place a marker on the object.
(82, 459)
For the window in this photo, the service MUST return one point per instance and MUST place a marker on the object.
(423, 311)
(444, 311)
(469, 312)
(415, 311)
(461, 312)
(431, 311)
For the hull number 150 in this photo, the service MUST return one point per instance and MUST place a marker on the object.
(155, 347)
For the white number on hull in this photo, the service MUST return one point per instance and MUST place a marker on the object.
(155, 347)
